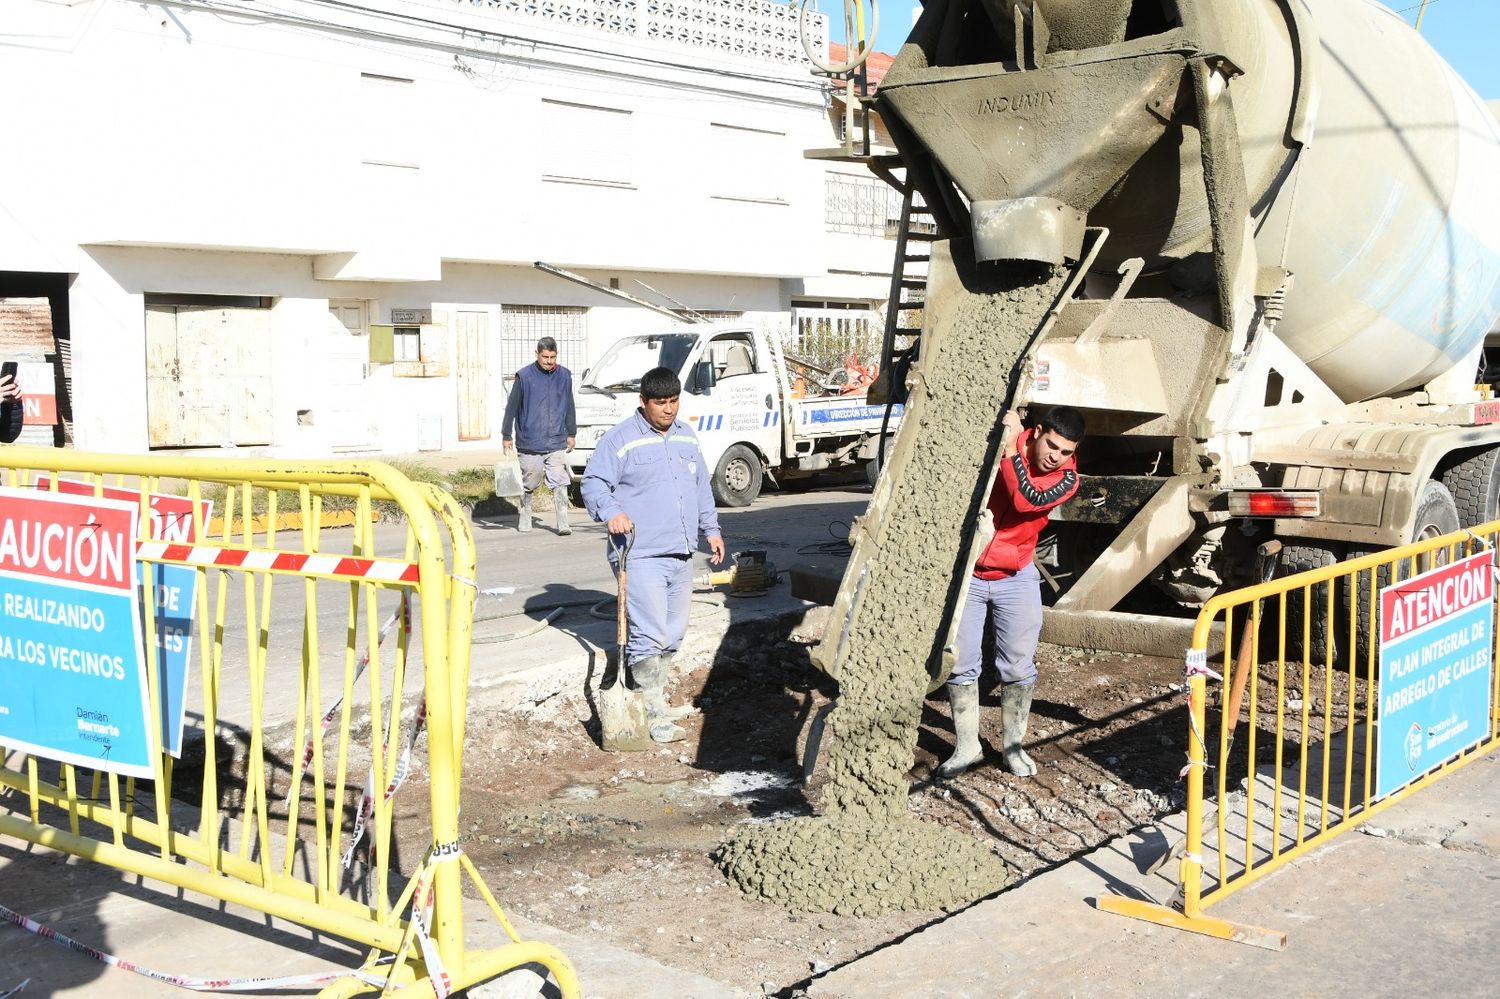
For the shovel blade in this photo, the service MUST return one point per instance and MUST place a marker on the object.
(508, 476)
(622, 719)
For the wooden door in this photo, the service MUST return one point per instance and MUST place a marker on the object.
(208, 376)
(164, 416)
(472, 375)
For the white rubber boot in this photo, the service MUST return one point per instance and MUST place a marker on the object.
(524, 523)
(963, 698)
(560, 504)
(1015, 709)
(651, 677)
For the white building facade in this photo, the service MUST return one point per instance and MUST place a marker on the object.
(307, 227)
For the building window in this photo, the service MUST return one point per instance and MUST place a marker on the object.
(406, 342)
(749, 164)
(829, 333)
(523, 325)
(587, 144)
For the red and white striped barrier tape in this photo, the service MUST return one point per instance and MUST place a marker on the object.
(386, 570)
(185, 981)
(398, 777)
(401, 614)
(422, 899)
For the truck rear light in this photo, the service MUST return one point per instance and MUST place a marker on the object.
(1275, 503)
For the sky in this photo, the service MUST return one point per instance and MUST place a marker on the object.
(1464, 32)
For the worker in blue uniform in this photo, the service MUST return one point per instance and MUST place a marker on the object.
(648, 475)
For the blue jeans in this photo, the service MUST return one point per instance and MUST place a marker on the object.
(658, 598)
(1015, 606)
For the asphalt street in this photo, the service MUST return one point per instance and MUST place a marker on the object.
(544, 571)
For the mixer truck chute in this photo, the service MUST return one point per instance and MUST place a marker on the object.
(1280, 220)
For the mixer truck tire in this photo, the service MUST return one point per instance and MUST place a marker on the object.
(737, 480)
(1322, 645)
(1475, 485)
(1437, 514)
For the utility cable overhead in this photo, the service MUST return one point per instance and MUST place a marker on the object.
(253, 8)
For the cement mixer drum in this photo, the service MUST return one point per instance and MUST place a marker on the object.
(1370, 165)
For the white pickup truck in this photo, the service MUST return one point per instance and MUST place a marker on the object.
(737, 394)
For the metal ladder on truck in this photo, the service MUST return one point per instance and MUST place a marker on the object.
(916, 233)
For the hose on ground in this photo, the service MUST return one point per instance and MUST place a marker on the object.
(596, 610)
(513, 635)
(840, 545)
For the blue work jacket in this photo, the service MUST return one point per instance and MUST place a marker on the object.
(660, 480)
(540, 410)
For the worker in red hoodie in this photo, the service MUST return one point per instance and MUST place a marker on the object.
(1037, 472)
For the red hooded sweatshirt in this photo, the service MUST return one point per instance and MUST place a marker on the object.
(1019, 504)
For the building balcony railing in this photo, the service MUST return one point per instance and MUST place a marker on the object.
(864, 206)
(751, 29)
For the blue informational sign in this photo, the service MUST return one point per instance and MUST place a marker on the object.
(175, 590)
(175, 593)
(72, 670)
(1436, 652)
(851, 414)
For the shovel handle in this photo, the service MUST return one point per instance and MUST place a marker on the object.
(622, 631)
(622, 588)
(1266, 557)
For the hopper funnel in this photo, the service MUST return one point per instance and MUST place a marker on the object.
(1033, 150)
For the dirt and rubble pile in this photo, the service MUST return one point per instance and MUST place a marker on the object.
(865, 853)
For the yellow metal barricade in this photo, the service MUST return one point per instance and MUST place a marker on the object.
(1285, 757)
(307, 721)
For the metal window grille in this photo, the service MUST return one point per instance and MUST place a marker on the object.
(865, 206)
(524, 325)
(827, 335)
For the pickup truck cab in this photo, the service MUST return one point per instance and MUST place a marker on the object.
(738, 395)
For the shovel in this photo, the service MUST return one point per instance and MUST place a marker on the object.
(622, 710)
(508, 475)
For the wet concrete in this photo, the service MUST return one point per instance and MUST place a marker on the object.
(844, 860)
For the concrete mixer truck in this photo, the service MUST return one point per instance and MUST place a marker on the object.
(1278, 223)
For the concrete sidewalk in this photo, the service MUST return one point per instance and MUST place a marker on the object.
(1404, 905)
(168, 930)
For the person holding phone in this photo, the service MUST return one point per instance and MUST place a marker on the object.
(11, 412)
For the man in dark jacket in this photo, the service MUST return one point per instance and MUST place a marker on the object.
(1037, 473)
(540, 412)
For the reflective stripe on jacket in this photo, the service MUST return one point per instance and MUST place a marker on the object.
(659, 480)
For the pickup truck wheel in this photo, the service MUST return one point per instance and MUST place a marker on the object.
(876, 462)
(737, 479)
